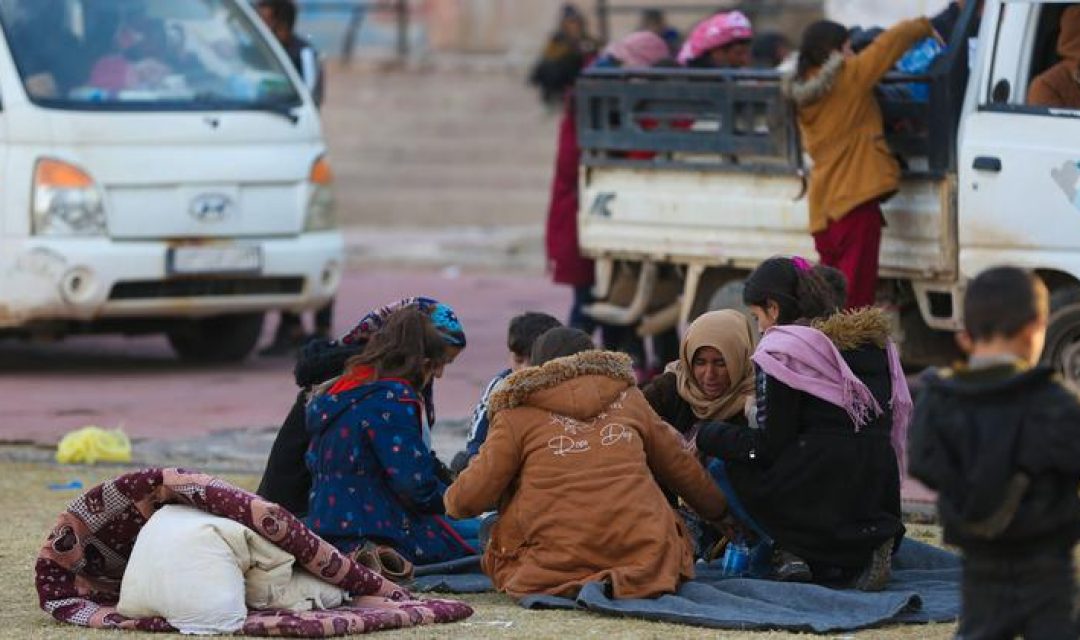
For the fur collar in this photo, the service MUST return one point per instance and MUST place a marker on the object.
(517, 388)
(810, 90)
(850, 330)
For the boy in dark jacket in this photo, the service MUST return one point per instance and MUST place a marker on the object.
(999, 440)
(523, 332)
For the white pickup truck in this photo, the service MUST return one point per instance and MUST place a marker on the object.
(162, 169)
(689, 179)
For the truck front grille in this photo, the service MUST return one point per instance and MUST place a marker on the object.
(217, 287)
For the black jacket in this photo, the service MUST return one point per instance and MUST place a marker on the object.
(286, 479)
(662, 393)
(306, 61)
(1001, 446)
(821, 489)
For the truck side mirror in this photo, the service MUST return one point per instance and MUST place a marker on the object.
(1002, 91)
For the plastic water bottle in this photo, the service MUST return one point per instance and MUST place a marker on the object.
(918, 60)
(919, 57)
(736, 560)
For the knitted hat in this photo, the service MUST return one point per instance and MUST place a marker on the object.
(712, 33)
(442, 316)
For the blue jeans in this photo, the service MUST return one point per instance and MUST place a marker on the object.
(761, 551)
(468, 529)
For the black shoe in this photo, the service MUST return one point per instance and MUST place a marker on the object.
(877, 573)
(788, 567)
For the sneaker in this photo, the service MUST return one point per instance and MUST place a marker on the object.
(878, 572)
(788, 567)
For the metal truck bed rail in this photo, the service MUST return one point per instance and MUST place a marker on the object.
(737, 120)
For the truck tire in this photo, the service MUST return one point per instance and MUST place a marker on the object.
(1062, 349)
(227, 338)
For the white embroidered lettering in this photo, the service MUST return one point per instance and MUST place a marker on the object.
(615, 432)
(564, 445)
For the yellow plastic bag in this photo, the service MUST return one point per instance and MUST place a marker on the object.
(92, 444)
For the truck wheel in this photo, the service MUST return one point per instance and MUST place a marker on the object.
(1062, 349)
(228, 338)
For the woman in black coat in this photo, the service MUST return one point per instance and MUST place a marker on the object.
(818, 470)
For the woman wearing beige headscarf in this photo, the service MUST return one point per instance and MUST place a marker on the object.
(713, 379)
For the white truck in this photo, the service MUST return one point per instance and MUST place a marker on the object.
(988, 180)
(162, 169)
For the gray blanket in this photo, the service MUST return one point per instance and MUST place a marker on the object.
(925, 588)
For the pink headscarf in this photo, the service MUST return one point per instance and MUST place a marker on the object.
(717, 31)
(641, 49)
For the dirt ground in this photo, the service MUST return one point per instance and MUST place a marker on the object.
(30, 507)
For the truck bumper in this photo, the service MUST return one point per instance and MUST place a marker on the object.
(85, 279)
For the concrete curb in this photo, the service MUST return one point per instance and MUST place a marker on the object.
(513, 248)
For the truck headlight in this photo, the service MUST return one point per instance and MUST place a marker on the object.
(320, 209)
(66, 201)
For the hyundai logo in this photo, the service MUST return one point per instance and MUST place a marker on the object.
(211, 207)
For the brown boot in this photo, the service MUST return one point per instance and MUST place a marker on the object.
(385, 561)
(878, 571)
(394, 566)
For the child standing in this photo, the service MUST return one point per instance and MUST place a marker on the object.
(999, 440)
(843, 131)
(523, 332)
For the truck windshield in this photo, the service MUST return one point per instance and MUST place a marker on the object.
(135, 55)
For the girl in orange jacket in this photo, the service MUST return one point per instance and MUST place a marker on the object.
(843, 131)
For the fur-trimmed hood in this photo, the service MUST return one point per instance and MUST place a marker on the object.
(580, 386)
(820, 84)
(850, 330)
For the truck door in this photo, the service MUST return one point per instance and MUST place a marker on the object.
(1020, 165)
(1019, 191)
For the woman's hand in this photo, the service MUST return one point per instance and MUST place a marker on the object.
(730, 527)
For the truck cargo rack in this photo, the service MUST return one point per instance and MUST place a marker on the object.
(738, 120)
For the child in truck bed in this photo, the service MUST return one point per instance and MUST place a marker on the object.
(843, 131)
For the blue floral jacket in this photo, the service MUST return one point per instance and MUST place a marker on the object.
(372, 475)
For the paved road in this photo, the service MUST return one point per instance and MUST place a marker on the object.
(136, 383)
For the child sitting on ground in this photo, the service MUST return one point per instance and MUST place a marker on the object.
(999, 440)
(523, 332)
(374, 479)
(572, 465)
